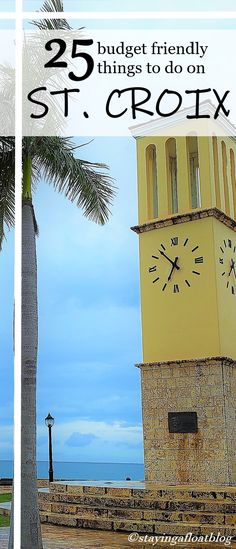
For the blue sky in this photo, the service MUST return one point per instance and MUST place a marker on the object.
(89, 321)
(128, 5)
(89, 336)
(7, 5)
(140, 5)
(6, 348)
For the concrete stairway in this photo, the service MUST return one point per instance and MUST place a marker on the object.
(143, 507)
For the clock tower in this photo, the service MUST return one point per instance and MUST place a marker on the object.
(187, 236)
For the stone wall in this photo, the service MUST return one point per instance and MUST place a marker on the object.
(202, 386)
(229, 373)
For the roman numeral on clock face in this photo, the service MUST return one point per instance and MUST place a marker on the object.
(198, 259)
(175, 241)
(227, 260)
(176, 289)
(171, 269)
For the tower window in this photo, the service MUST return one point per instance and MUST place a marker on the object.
(152, 191)
(172, 174)
(216, 171)
(225, 176)
(233, 178)
(192, 146)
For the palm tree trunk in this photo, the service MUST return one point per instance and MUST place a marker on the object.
(30, 522)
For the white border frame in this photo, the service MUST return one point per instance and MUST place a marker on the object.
(19, 16)
(142, 15)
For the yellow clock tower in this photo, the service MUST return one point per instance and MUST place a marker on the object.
(187, 232)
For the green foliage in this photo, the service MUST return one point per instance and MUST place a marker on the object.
(4, 521)
(82, 182)
(7, 187)
(52, 24)
(5, 497)
(54, 159)
(52, 5)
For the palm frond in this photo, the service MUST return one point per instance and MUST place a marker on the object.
(80, 181)
(7, 184)
(52, 24)
(52, 5)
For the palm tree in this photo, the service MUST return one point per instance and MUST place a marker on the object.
(54, 160)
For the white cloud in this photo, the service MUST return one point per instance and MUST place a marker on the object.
(115, 441)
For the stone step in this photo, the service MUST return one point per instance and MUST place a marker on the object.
(141, 526)
(105, 501)
(138, 514)
(142, 508)
(153, 491)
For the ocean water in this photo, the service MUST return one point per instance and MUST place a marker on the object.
(82, 470)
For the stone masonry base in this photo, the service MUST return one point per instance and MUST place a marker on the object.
(204, 386)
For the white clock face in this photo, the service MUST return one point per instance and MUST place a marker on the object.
(176, 265)
(227, 260)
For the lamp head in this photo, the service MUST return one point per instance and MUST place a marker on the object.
(49, 420)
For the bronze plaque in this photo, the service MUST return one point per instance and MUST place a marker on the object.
(182, 422)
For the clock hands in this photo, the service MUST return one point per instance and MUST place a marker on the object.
(232, 268)
(229, 264)
(173, 263)
(167, 278)
(177, 282)
(174, 266)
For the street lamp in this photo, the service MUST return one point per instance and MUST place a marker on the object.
(49, 420)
